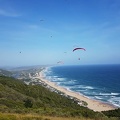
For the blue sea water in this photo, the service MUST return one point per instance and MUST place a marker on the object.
(100, 82)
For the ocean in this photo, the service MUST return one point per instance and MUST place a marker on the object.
(99, 82)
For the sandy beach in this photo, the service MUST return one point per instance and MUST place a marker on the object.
(92, 104)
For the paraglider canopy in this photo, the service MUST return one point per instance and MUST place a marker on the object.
(78, 49)
(60, 62)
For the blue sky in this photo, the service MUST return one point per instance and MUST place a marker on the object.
(40, 32)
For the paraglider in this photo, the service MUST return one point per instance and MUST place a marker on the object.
(60, 62)
(78, 49)
(41, 20)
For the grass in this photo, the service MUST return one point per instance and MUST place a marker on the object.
(14, 116)
(10, 116)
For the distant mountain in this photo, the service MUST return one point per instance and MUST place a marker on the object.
(27, 67)
(5, 72)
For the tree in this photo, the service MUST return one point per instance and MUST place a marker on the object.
(28, 103)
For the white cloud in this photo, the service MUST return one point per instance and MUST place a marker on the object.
(8, 13)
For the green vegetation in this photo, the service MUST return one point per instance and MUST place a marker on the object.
(112, 113)
(17, 97)
(6, 116)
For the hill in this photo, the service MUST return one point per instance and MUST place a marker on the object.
(17, 97)
(5, 72)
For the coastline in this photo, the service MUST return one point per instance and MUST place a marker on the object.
(92, 104)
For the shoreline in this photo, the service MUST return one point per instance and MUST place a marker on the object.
(94, 105)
